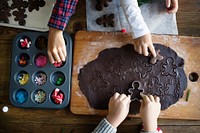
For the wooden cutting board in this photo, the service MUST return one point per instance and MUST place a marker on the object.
(88, 45)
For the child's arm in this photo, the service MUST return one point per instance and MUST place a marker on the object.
(150, 110)
(139, 29)
(60, 16)
(56, 45)
(172, 6)
(118, 111)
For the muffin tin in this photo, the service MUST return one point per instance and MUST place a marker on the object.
(34, 81)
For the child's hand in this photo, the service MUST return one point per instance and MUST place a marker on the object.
(56, 46)
(118, 109)
(172, 6)
(150, 110)
(142, 44)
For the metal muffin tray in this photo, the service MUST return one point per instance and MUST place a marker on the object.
(34, 81)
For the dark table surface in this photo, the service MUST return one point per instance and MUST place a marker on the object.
(63, 121)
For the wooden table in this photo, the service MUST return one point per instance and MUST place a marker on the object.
(20, 120)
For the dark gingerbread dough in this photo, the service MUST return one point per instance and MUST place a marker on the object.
(101, 4)
(106, 20)
(20, 16)
(35, 4)
(19, 4)
(18, 9)
(3, 4)
(4, 11)
(116, 69)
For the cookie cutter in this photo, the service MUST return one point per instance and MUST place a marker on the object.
(135, 87)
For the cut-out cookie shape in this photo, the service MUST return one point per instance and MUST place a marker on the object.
(106, 20)
(155, 87)
(35, 4)
(4, 11)
(20, 16)
(157, 58)
(19, 4)
(101, 4)
(135, 91)
(141, 68)
(3, 4)
(169, 68)
(114, 89)
(98, 82)
(115, 66)
(173, 84)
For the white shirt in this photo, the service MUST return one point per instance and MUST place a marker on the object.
(134, 18)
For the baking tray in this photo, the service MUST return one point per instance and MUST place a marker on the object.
(36, 20)
(27, 88)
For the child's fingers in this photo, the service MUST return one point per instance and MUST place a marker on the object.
(111, 99)
(151, 98)
(173, 7)
(64, 52)
(142, 103)
(168, 3)
(56, 56)
(121, 97)
(116, 95)
(157, 99)
(135, 48)
(172, 10)
(145, 98)
(152, 49)
(61, 55)
(51, 59)
(127, 99)
(145, 50)
(138, 49)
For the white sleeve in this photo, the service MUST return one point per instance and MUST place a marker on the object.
(104, 127)
(134, 18)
